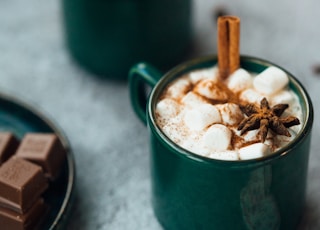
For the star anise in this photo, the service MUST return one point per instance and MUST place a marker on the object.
(265, 118)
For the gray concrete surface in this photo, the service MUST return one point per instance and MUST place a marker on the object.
(109, 142)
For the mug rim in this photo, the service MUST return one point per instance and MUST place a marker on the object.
(178, 71)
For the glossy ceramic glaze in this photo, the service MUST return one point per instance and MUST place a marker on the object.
(19, 118)
(109, 36)
(194, 192)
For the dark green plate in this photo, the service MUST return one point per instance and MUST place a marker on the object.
(19, 118)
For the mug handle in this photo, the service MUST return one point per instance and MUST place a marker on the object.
(140, 75)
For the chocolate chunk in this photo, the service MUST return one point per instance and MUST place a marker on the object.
(8, 146)
(11, 220)
(45, 150)
(21, 184)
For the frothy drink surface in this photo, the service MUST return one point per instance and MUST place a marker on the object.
(202, 114)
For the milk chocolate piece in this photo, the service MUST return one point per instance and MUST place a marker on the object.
(45, 150)
(11, 220)
(8, 146)
(21, 184)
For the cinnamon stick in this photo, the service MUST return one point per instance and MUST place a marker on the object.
(228, 45)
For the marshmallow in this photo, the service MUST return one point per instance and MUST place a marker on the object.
(295, 109)
(283, 97)
(192, 100)
(227, 155)
(254, 151)
(193, 145)
(270, 81)
(217, 138)
(178, 88)
(288, 97)
(201, 117)
(251, 96)
(210, 73)
(239, 80)
(252, 135)
(210, 89)
(167, 108)
(175, 130)
(230, 113)
(281, 140)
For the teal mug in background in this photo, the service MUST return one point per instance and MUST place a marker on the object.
(192, 192)
(108, 36)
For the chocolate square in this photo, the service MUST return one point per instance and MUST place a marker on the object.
(45, 150)
(21, 184)
(8, 146)
(11, 220)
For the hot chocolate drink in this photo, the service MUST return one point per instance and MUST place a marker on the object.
(229, 139)
(245, 116)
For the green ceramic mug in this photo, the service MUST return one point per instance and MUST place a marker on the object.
(108, 36)
(194, 192)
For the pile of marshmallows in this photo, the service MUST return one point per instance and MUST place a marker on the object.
(188, 115)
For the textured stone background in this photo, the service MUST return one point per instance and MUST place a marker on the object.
(110, 143)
